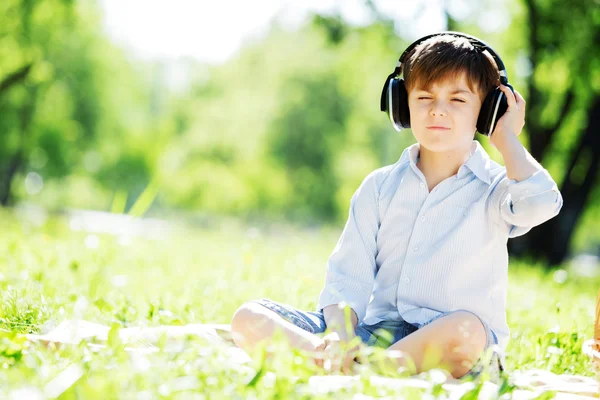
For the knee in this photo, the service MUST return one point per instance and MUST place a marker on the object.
(248, 314)
(470, 331)
(249, 324)
(466, 342)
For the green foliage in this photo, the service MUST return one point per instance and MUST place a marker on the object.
(563, 49)
(19, 314)
(289, 126)
(305, 138)
(12, 347)
(195, 276)
(293, 132)
(62, 116)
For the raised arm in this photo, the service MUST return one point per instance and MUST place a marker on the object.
(527, 196)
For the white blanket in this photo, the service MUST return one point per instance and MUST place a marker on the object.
(530, 383)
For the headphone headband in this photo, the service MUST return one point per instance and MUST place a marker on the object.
(477, 43)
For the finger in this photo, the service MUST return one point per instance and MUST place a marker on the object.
(318, 362)
(348, 370)
(332, 355)
(510, 96)
(336, 363)
(348, 360)
(517, 102)
(520, 99)
(318, 358)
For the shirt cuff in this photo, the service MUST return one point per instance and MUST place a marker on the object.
(539, 182)
(334, 293)
(529, 203)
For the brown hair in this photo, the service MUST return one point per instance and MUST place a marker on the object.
(447, 56)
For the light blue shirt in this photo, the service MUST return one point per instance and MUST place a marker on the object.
(409, 254)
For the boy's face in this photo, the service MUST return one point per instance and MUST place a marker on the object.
(444, 116)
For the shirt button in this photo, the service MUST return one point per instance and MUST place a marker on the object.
(415, 247)
(422, 218)
(406, 280)
(422, 184)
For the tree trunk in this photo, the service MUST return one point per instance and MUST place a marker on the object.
(6, 181)
(14, 78)
(16, 161)
(551, 240)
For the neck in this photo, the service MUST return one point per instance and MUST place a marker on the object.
(439, 166)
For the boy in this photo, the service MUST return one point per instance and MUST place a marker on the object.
(423, 254)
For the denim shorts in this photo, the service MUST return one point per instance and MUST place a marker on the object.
(385, 333)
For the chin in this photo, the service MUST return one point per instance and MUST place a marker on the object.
(437, 148)
(440, 143)
(437, 145)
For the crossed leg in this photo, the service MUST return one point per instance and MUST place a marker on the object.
(453, 342)
(254, 323)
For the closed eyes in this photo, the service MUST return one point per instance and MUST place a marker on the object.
(427, 98)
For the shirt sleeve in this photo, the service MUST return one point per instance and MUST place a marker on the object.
(351, 267)
(519, 206)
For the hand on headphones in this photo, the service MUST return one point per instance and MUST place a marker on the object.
(513, 120)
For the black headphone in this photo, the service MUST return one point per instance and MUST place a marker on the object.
(394, 97)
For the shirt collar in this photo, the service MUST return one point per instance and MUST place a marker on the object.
(478, 161)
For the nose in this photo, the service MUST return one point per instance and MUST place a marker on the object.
(438, 109)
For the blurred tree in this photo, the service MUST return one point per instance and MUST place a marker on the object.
(291, 122)
(304, 136)
(47, 104)
(564, 97)
(18, 116)
(65, 94)
(287, 109)
(335, 27)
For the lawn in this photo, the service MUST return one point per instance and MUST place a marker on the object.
(50, 273)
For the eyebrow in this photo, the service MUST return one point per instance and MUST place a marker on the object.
(454, 91)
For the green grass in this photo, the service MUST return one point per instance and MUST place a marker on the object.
(201, 276)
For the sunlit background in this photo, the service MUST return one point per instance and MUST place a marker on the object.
(267, 110)
(212, 32)
(163, 162)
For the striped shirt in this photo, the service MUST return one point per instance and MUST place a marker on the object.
(407, 254)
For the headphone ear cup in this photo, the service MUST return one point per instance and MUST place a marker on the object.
(398, 109)
(402, 105)
(394, 101)
(493, 107)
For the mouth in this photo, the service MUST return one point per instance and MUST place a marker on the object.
(438, 128)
